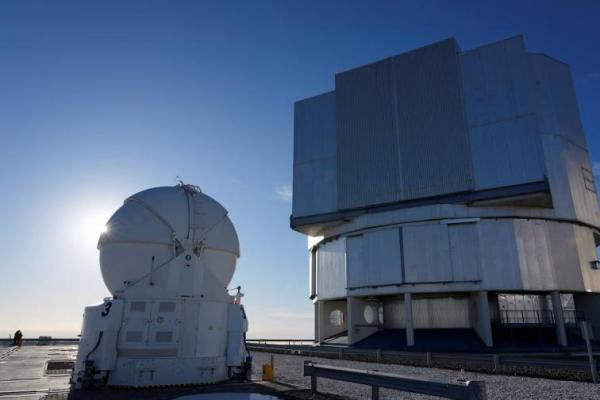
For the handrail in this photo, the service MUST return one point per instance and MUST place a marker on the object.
(469, 390)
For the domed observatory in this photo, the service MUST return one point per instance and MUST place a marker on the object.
(167, 257)
(448, 194)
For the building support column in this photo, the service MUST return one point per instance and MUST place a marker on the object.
(559, 319)
(408, 319)
(317, 321)
(484, 319)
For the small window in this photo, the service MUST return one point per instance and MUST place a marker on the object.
(596, 263)
(164, 337)
(588, 179)
(133, 336)
(336, 318)
(137, 306)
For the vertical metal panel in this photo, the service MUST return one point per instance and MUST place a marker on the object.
(374, 259)
(315, 165)
(367, 157)
(432, 129)
(393, 314)
(441, 312)
(464, 252)
(506, 153)
(565, 259)
(556, 104)
(533, 245)
(498, 98)
(331, 270)
(401, 128)
(496, 81)
(426, 253)
(500, 266)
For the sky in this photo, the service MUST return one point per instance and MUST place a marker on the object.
(99, 100)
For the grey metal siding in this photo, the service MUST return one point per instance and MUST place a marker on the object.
(367, 157)
(555, 101)
(331, 270)
(499, 254)
(374, 259)
(499, 104)
(401, 129)
(315, 165)
(464, 252)
(431, 123)
(426, 253)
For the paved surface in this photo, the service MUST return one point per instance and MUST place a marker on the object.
(23, 376)
(289, 370)
(22, 371)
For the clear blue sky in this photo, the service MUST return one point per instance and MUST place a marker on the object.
(99, 100)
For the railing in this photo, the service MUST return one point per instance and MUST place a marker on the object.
(527, 317)
(547, 365)
(470, 390)
(42, 340)
(538, 317)
(281, 341)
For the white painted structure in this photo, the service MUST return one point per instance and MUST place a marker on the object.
(167, 257)
(433, 182)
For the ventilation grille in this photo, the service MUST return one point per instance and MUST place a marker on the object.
(133, 336)
(137, 306)
(164, 337)
(167, 306)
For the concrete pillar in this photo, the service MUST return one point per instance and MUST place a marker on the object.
(408, 316)
(317, 322)
(559, 319)
(483, 324)
(358, 327)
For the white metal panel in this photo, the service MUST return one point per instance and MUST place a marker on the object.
(394, 314)
(426, 253)
(431, 125)
(565, 258)
(464, 252)
(441, 312)
(315, 165)
(367, 156)
(500, 262)
(331, 269)
(374, 259)
(533, 245)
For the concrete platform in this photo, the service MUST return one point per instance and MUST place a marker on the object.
(24, 375)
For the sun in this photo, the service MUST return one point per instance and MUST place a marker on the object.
(90, 225)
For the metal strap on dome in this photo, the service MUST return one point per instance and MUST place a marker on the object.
(157, 215)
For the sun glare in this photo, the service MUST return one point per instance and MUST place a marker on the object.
(91, 225)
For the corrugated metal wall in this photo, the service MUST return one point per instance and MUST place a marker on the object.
(465, 254)
(498, 98)
(367, 156)
(401, 128)
(431, 124)
(426, 253)
(374, 259)
(315, 165)
(331, 270)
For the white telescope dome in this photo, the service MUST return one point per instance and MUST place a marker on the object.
(165, 237)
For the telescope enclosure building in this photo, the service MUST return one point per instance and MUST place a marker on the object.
(443, 189)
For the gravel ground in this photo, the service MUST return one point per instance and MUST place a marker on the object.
(288, 370)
